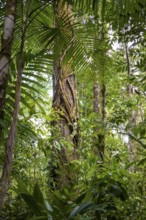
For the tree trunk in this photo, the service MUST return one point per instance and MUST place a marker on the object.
(102, 135)
(5, 178)
(5, 54)
(133, 114)
(99, 110)
(99, 94)
(99, 106)
(65, 105)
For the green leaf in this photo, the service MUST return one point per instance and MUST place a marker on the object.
(49, 208)
(30, 201)
(37, 194)
(79, 209)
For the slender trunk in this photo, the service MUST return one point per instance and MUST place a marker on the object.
(101, 136)
(97, 111)
(5, 54)
(133, 114)
(97, 128)
(65, 104)
(5, 178)
(99, 94)
(99, 105)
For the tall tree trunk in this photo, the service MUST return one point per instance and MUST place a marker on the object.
(99, 108)
(102, 134)
(99, 97)
(65, 104)
(5, 178)
(132, 113)
(5, 54)
(97, 111)
(99, 131)
(99, 105)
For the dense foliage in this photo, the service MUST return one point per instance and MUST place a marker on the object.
(102, 42)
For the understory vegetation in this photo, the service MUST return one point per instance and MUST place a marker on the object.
(72, 110)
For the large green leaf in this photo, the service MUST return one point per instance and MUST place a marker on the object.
(32, 204)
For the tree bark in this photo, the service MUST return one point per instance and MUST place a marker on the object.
(5, 178)
(102, 134)
(65, 102)
(100, 112)
(5, 54)
(99, 108)
(133, 114)
(97, 111)
(65, 105)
